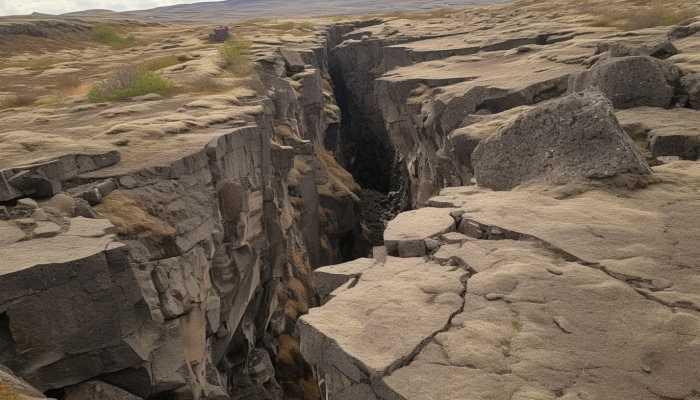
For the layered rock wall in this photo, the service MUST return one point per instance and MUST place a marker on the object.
(192, 285)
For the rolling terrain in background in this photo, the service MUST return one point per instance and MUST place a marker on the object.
(243, 9)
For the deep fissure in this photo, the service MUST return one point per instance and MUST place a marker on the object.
(362, 145)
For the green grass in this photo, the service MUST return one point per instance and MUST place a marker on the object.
(235, 54)
(129, 82)
(109, 36)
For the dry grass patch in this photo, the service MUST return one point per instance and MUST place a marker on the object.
(130, 217)
(639, 14)
(340, 182)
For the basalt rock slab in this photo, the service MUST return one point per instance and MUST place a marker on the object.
(363, 333)
(598, 280)
(405, 235)
(665, 133)
(571, 138)
(328, 279)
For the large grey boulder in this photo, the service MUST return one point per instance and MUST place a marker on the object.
(631, 81)
(576, 136)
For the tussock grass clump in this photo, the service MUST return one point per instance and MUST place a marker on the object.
(129, 82)
(340, 181)
(235, 54)
(131, 217)
(106, 34)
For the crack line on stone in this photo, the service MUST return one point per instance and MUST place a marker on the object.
(405, 361)
(594, 265)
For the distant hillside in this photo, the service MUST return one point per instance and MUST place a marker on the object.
(241, 9)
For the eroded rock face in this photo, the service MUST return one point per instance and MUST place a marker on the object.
(577, 136)
(175, 270)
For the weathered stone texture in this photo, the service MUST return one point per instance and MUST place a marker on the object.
(577, 136)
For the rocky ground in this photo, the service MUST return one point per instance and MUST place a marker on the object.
(562, 262)
(164, 246)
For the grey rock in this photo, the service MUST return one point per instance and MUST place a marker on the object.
(660, 49)
(631, 81)
(432, 244)
(293, 61)
(46, 229)
(63, 203)
(470, 229)
(220, 34)
(574, 137)
(691, 85)
(83, 209)
(96, 390)
(27, 203)
(328, 279)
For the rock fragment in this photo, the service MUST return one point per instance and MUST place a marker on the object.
(631, 81)
(570, 138)
(96, 390)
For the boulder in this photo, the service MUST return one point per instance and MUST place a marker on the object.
(219, 35)
(691, 85)
(659, 49)
(631, 81)
(574, 137)
(293, 61)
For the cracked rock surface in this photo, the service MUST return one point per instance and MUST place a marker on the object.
(588, 296)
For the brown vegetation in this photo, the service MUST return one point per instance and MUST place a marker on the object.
(639, 14)
(128, 214)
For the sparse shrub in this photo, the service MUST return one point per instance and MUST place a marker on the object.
(106, 34)
(129, 82)
(236, 56)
